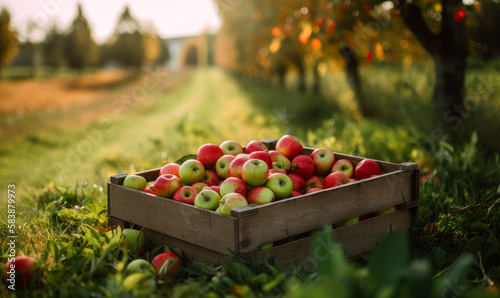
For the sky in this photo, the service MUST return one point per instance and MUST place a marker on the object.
(170, 17)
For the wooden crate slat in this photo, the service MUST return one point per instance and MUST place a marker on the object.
(179, 220)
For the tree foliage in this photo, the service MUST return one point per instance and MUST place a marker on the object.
(9, 42)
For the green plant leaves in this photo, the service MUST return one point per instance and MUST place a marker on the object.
(388, 261)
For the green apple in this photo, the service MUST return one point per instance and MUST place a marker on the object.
(191, 171)
(135, 182)
(198, 186)
(281, 185)
(222, 165)
(280, 160)
(139, 265)
(265, 246)
(134, 241)
(231, 147)
(347, 222)
(255, 172)
(231, 201)
(207, 199)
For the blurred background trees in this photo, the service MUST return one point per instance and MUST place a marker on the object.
(9, 43)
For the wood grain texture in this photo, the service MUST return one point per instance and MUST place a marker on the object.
(182, 221)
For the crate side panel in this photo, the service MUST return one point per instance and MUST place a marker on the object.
(302, 214)
(175, 219)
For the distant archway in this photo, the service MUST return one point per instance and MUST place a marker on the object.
(191, 56)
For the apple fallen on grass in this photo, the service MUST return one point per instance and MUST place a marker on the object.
(166, 265)
(281, 185)
(135, 182)
(191, 171)
(139, 265)
(185, 194)
(207, 199)
(343, 166)
(166, 185)
(366, 168)
(19, 272)
(323, 161)
(134, 241)
(233, 184)
(208, 154)
(289, 146)
(231, 201)
(255, 172)
(231, 147)
(260, 195)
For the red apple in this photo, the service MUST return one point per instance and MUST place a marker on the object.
(166, 185)
(150, 190)
(343, 166)
(295, 193)
(314, 182)
(314, 189)
(367, 168)
(166, 265)
(211, 178)
(170, 168)
(233, 184)
(280, 159)
(262, 155)
(231, 147)
(276, 171)
(216, 188)
(253, 146)
(236, 165)
(208, 154)
(185, 194)
(335, 179)
(299, 184)
(260, 195)
(323, 161)
(222, 165)
(289, 146)
(19, 272)
(353, 180)
(365, 216)
(255, 172)
(198, 186)
(303, 166)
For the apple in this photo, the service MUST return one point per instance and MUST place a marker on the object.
(198, 186)
(347, 222)
(191, 171)
(208, 154)
(19, 272)
(170, 168)
(236, 165)
(211, 178)
(166, 265)
(366, 216)
(281, 159)
(262, 155)
(265, 246)
(150, 190)
(289, 146)
(166, 185)
(343, 166)
(222, 165)
(366, 168)
(216, 188)
(303, 166)
(134, 241)
(185, 194)
(281, 185)
(353, 180)
(295, 193)
(260, 195)
(323, 160)
(314, 182)
(231, 147)
(276, 171)
(385, 211)
(299, 184)
(233, 184)
(335, 179)
(207, 199)
(314, 189)
(139, 266)
(253, 146)
(255, 172)
(135, 182)
(231, 201)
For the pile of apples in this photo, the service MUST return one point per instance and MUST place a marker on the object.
(227, 176)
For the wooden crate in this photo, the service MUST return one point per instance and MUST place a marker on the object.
(206, 234)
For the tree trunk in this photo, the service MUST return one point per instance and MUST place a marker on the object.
(353, 78)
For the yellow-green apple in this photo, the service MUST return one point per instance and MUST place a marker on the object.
(222, 165)
(191, 171)
(281, 159)
(255, 146)
(185, 194)
(303, 166)
(314, 189)
(260, 195)
(262, 155)
(231, 147)
(150, 190)
(139, 265)
(134, 241)
(135, 182)
(335, 179)
(323, 161)
(207, 199)
(366, 168)
(233, 184)
(150, 183)
(289, 146)
(211, 178)
(236, 165)
(231, 201)
(255, 172)
(166, 185)
(19, 272)
(198, 186)
(281, 185)
(208, 154)
(295, 193)
(166, 265)
(347, 222)
(314, 182)
(299, 184)
(385, 211)
(265, 246)
(343, 166)
(170, 168)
